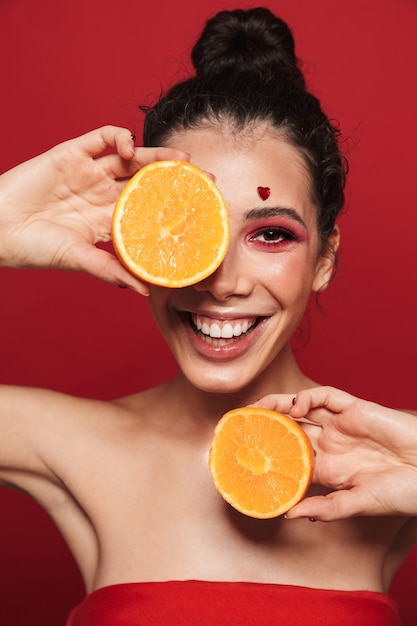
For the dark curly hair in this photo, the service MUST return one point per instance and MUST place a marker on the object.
(246, 72)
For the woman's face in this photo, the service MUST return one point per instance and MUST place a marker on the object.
(231, 328)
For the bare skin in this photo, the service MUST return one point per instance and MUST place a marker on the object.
(127, 482)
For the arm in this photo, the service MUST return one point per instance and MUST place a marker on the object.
(366, 454)
(34, 422)
(48, 445)
(55, 207)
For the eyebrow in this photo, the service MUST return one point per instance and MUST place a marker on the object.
(261, 212)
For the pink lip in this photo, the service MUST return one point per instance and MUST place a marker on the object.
(232, 349)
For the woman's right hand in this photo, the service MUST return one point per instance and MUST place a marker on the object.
(56, 207)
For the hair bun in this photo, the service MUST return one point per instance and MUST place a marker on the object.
(245, 40)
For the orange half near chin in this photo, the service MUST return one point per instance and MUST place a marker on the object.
(170, 225)
(261, 461)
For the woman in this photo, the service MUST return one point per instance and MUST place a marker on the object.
(127, 482)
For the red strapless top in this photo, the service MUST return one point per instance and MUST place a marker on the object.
(200, 603)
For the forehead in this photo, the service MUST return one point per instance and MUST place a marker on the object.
(241, 161)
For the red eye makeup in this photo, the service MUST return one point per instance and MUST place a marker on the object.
(273, 227)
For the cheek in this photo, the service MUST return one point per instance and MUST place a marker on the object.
(158, 304)
(288, 276)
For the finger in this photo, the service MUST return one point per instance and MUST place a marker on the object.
(118, 169)
(122, 169)
(147, 155)
(107, 267)
(275, 402)
(334, 506)
(210, 175)
(96, 141)
(330, 398)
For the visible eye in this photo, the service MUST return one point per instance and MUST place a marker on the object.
(274, 236)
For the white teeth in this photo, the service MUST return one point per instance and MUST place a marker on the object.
(227, 331)
(217, 331)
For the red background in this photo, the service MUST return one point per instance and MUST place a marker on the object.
(68, 67)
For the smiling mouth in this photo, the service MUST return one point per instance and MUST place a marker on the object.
(222, 332)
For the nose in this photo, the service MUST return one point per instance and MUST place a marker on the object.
(232, 278)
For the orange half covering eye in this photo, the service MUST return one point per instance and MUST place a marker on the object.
(170, 225)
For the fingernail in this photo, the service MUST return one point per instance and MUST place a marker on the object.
(132, 148)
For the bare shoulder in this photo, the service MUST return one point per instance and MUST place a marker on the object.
(144, 400)
(41, 428)
(153, 409)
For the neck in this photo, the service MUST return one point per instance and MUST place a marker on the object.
(282, 376)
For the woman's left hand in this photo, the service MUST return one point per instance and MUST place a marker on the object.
(366, 454)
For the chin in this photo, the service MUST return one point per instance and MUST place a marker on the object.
(222, 382)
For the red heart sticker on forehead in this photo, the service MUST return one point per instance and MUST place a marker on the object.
(264, 192)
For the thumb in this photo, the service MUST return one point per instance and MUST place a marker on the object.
(336, 505)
